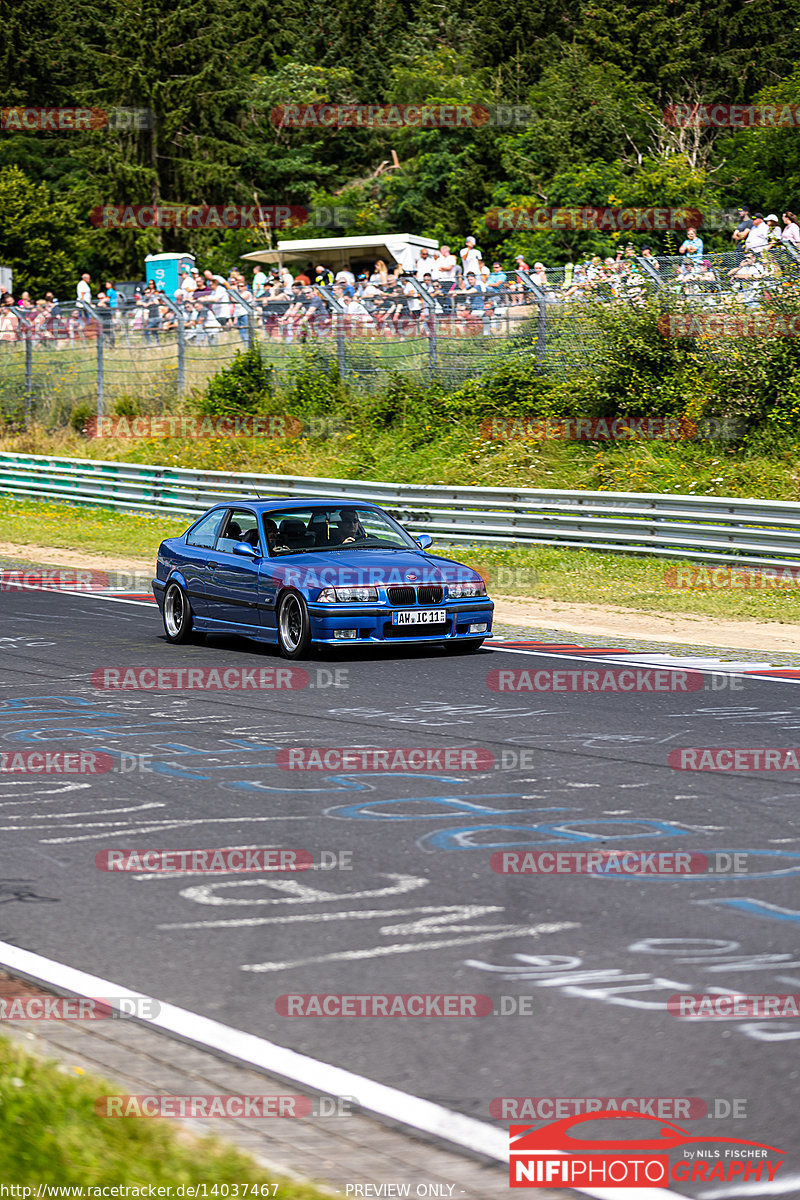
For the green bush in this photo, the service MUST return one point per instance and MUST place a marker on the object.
(243, 386)
(80, 415)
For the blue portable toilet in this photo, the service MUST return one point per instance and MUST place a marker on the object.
(166, 269)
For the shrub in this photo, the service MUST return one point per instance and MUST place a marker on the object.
(243, 386)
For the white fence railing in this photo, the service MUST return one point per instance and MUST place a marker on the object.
(708, 529)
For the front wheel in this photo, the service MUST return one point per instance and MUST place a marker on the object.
(294, 626)
(177, 614)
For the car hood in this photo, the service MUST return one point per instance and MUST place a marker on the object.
(368, 568)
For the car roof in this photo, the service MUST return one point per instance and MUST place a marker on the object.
(262, 505)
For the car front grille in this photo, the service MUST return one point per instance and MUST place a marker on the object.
(427, 593)
(401, 595)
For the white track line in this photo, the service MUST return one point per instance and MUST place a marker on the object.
(318, 1076)
(635, 659)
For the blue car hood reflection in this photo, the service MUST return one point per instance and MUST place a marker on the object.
(319, 569)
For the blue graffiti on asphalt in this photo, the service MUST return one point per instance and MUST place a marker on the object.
(462, 838)
(365, 811)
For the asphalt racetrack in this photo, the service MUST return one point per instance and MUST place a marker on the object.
(580, 967)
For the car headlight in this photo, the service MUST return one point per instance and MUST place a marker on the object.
(459, 591)
(347, 595)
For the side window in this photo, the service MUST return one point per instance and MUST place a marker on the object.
(241, 526)
(205, 531)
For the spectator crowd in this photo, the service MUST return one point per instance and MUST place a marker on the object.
(428, 286)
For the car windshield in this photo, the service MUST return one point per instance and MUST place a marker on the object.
(305, 529)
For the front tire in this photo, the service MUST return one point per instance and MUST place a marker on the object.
(177, 614)
(294, 626)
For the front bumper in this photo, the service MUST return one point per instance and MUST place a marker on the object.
(373, 623)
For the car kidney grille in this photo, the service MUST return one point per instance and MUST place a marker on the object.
(401, 595)
(426, 594)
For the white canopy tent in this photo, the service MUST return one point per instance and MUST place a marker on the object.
(353, 252)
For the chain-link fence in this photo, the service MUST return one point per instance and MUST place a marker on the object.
(56, 356)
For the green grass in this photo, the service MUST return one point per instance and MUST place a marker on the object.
(95, 530)
(572, 576)
(49, 1133)
(457, 453)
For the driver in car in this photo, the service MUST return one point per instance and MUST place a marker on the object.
(270, 532)
(350, 528)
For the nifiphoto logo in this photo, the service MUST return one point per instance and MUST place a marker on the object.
(641, 1152)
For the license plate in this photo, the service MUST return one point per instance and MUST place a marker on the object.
(424, 616)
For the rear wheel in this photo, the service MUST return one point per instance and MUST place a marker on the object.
(294, 627)
(177, 614)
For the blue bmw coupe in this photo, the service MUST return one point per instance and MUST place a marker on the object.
(315, 572)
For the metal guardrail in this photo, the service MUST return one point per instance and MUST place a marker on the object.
(707, 529)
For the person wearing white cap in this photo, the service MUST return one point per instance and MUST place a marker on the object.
(471, 258)
(774, 225)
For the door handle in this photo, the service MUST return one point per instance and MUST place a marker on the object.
(213, 566)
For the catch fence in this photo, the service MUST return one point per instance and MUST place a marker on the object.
(71, 354)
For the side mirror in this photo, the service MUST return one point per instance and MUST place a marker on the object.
(424, 540)
(245, 550)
